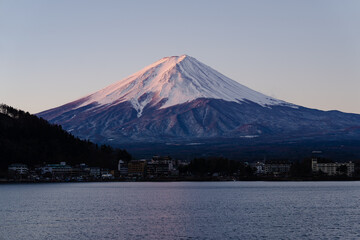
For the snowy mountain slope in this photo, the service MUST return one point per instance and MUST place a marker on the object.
(171, 81)
(181, 98)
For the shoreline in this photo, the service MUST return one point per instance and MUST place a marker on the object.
(328, 179)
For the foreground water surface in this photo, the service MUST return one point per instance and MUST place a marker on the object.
(181, 210)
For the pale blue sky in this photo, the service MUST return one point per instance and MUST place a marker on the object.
(304, 52)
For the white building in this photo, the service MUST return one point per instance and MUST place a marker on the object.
(332, 168)
(57, 169)
(260, 167)
(18, 168)
(277, 167)
(122, 168)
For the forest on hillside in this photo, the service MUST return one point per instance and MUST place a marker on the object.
(25, 138)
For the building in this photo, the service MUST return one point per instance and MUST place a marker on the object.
(83, 170)
(277, 167)
(157, 169)
(107, 176)
(160, 166)
(61, 169)
(123, 168)
(259, 166)
(18, 168)
(95, 172)
(333, 168)
(137, 167)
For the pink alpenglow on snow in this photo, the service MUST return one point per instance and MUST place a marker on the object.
(175, 80)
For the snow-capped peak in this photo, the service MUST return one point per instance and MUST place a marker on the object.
(175, 80)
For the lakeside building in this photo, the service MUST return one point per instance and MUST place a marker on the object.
(333, 168)
(160, 166)
(107, 176)
(104, 171)
(18, 168)
(64, 171)
(61, 169)
(137, 167)
(95, 172)
(259, 166)
(123, 168)
(277, 167)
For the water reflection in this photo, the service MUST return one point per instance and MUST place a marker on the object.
(183, 210)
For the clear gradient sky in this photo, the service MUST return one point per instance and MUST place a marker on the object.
(303, 52)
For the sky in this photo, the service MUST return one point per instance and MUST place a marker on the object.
(304, 52)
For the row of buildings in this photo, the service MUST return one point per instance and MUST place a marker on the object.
(333, 168)
(272, 167)
(163, 167)
(158, 166)
(154, 168)
(60, 171)
(282, 168)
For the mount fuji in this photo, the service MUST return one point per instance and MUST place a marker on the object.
(179, 98)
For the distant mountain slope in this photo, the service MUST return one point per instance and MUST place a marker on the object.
(24, 138)
(179, 98)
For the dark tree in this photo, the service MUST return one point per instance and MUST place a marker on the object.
(342, 169)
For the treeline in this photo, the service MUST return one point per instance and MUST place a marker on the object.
(25, 138)
(216, 165)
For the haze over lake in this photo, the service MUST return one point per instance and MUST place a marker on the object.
(181, 210)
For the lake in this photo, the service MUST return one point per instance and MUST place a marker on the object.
(180, 210)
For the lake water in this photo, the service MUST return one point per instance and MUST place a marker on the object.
(181, 210)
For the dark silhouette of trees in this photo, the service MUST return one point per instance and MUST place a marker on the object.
(342, 169)
(25, 138)
(219, 165)
(301, 168)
